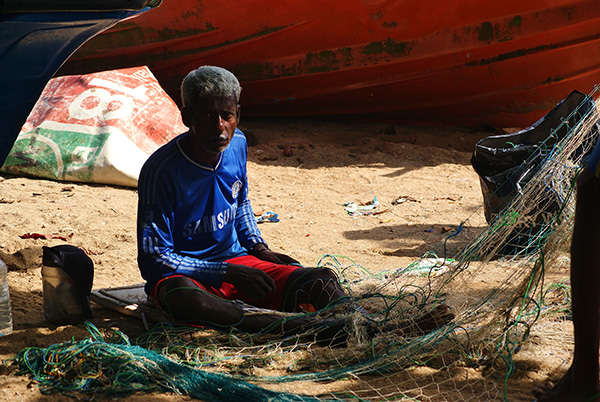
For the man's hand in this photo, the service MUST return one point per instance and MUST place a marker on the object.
(261, 252)
(251, 281)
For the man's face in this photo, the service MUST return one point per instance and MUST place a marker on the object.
(212, 122)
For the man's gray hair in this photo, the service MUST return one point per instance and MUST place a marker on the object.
(208, 81)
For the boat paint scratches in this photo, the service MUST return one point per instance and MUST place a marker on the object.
(169, 34)
(385, 24)
(312, 63)
(489, 31)
(221, 45)
(389, 24)
(130, 36)
(511, 55)
(321, 61)
(326, 60)
(255, 71)
(226, 43)
(485, 32)
(248, 38)
(515, 22)
(389, 47)
(377, 16)
(499, 32)
(568, 12)
(552, 80)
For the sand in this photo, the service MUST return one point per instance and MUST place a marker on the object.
(303, 170)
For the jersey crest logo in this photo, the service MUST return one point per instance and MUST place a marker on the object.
(235, 189)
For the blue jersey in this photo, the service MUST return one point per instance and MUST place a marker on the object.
(192, 217)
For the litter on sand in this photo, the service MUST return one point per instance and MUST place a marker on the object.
(268, 217)
(45, 236)
(404, 198)
(367, 208)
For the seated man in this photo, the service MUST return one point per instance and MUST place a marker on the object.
(199, 247)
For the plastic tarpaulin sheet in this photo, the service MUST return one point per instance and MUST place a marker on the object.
(97, 128)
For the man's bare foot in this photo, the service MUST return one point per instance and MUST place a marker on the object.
(543, 390)
(425, 323)
(434, 319)
(566, 390)
(332, 333)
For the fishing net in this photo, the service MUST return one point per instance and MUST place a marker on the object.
(496, 296)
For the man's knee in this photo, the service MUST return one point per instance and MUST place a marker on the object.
(174, 288)
(315, 281)
(323, 274)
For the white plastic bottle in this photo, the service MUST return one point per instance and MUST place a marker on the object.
(6, 326)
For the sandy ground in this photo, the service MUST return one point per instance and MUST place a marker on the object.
(303, 170)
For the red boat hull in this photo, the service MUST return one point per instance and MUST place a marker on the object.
(466, 62)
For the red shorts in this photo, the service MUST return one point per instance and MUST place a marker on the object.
(279, 274)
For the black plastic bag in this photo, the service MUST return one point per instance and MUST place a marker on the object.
(506, 163)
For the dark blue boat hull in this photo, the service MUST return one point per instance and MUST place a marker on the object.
(33, 46)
